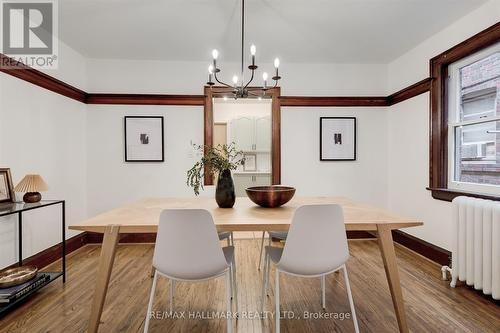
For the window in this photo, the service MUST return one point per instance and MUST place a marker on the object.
(474, 122)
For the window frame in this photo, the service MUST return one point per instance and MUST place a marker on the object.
(454, 102)
(438, 122)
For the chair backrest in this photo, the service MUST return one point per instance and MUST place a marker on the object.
(316, 242)
(187, 246)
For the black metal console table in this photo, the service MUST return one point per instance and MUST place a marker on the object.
(18, 208)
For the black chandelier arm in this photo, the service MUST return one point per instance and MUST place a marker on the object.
(251, 79)
(220, 82)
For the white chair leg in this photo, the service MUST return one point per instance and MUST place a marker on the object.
(150, 304)
(235, 286)
(323, 292)
(172, 292)
(277, 300)
(261, 248)
(228, 300)
(351, 302)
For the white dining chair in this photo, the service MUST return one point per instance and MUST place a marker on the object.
(227, 235)
(188, 249)
(315, 247)
(281, 235)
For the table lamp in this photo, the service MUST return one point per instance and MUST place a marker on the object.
(32, 185)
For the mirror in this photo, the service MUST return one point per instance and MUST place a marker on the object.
(247, 123)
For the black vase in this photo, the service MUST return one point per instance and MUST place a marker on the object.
(224, 193)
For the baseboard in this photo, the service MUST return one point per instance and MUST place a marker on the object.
(53, 253)
(426, 249)
(96, 238)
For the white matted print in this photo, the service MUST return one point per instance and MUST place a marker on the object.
(144, 139)
(337, 139)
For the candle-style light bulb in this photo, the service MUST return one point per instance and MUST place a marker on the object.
(235, 79)
(276, 63)
(264, 77)
(253, 49)
(210, 72)
(215, 54)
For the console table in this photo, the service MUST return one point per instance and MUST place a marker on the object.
(18, 208)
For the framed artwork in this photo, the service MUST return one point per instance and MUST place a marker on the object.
(250, 162)
(144, 139)
(337, 138)
(6, 187)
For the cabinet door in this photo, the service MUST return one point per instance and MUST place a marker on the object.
(243, 133)
(263, 133)
(241, 182)
(262, 180)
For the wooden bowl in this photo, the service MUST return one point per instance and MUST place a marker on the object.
(270, 196)
(14, 276)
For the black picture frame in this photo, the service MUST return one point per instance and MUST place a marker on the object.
(127, 155)
(354, 153)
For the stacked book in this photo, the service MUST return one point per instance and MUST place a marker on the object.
(8, 295)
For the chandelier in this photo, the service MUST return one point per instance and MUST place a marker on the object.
(239, 88)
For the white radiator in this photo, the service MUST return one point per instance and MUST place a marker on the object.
(476, 244)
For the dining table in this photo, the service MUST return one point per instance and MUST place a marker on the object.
(143, 217)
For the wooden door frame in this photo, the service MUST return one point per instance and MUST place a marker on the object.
(208, 113)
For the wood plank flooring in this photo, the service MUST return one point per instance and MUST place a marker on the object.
(431, 305)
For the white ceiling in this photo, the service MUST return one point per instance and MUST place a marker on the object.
(313, 31)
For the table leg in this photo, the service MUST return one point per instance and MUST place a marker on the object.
(108, 250)
(391, 271)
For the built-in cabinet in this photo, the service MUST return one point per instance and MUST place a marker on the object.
(251, 133)
(243, 180)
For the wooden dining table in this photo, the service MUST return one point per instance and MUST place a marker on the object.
(143, 217)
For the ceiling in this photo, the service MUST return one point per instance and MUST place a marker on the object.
(312, 31)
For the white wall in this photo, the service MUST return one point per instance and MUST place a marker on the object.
(163, 77)
(112, 182)
(364, 179)
(43, 132)
(409, 130)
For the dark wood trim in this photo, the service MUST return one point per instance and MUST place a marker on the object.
(96, 238)
(428, 250)
(144, 99)
(438, 134)
(208, 119)
(275, 135)
(208, 132)
(53, 253)
(446, 194)
(28, 74)
(333, 101)
(360, 234)
(410, 91)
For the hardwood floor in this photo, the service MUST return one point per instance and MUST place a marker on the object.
(431, 305)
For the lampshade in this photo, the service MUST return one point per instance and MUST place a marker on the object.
(31, 183)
